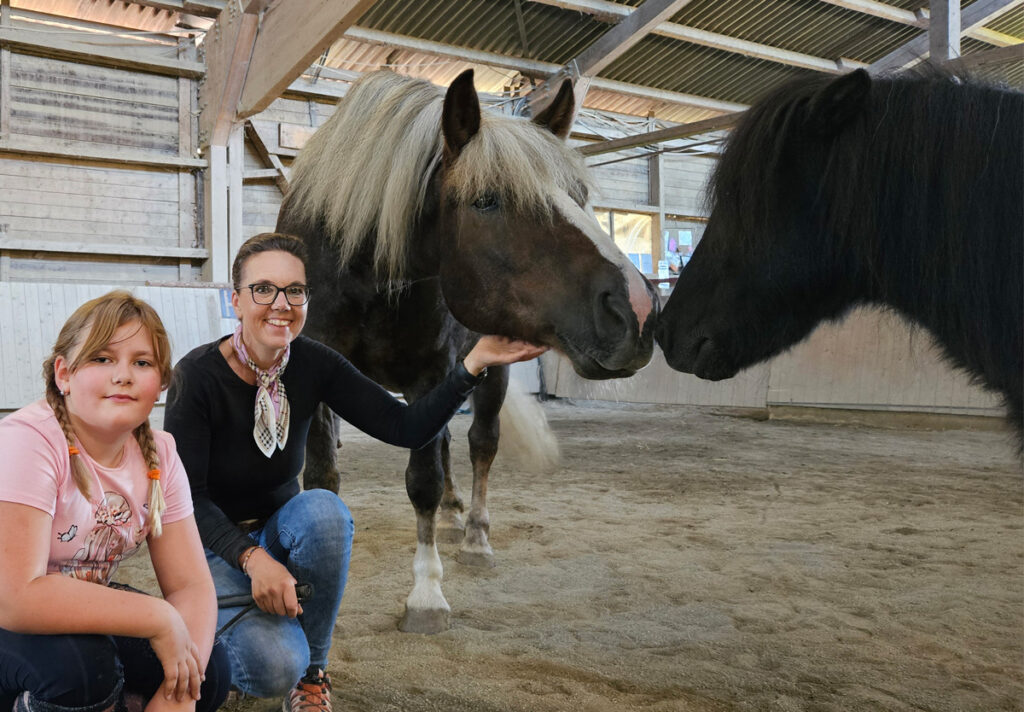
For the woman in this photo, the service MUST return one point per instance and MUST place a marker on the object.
(261, 533)
(85, 481)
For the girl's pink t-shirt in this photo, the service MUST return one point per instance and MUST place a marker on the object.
(88, 538)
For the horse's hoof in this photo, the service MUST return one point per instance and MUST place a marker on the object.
(477, 558)
(450, 527)
(424, 621)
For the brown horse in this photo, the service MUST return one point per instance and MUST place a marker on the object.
(429, 223)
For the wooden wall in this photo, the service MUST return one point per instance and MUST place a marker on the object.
(870, 361)
(98, 175)
(32, 313)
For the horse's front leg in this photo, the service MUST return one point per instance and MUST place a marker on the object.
(450, 528)
(322, 443)
(426, 610)
(483, 446)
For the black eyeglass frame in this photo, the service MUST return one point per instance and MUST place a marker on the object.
(277, 290)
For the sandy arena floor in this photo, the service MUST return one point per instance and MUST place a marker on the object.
(691, 559)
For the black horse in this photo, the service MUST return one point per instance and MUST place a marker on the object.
(905, 192)
(428, 223)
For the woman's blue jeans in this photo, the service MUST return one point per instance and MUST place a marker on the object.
(311, 535)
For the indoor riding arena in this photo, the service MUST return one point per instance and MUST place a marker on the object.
(771, 460)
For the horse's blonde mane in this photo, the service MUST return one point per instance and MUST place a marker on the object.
(366, 170)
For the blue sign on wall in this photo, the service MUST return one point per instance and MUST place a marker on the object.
(226, 311)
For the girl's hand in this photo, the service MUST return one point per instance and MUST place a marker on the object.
(273, 586)
(179, 657)
(499, 350)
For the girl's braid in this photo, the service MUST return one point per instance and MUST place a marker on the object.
(144, 436)
(79, 471)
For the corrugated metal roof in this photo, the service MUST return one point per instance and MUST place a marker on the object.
(672, 78)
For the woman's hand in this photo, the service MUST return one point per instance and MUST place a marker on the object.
(179, 657)
(499, 350)
(273, 586)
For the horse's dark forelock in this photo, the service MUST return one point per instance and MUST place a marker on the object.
(922, 192)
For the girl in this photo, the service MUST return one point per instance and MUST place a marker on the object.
(84, 481)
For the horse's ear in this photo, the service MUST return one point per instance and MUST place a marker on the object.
(838, 103)
(559, 114)
(460, 117)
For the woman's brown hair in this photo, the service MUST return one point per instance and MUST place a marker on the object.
(265, 242)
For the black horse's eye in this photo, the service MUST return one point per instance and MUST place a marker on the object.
(486, 202)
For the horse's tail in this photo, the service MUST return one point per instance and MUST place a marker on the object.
(525, 433)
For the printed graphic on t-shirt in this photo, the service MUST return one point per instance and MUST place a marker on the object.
(112, 539)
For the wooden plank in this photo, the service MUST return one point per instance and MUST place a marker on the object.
(630, 30)
(215, 225)
(293, 136)
(256, 142)
(229, 47)
(121, 87)
(54, 44)
(94, 248)
(715, 123)
(972, 17)
(944, 30)
(69, 150)
(109, 214)
(236, 162)
(87, 270)
(202, 8)
(5, 93)
(290, 38)
(989, 58)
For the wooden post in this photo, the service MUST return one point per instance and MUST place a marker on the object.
(5, 75)
(656, 197)
(944, 30)
(186, 180)
(215, 215)
(236, 165)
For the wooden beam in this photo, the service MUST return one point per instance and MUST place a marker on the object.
(971, 18)
(944, 30)
(988, 58)
(202, 8)
(291, 36)
(630, 30)
(5, 75)
(42, 43)
(531, 67)
(55, 149)
(92, 248)
(229, 46)
(268, 158)
(645, 139)
(919, 18)
(611, 11)
(610, 46)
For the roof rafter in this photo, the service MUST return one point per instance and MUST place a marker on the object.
(202, 8)
(608, 11)
(532, 67)
(919, 18)
(972, 17)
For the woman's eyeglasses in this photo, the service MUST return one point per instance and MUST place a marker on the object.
(294, 294)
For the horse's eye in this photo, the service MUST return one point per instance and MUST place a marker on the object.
(487, 201)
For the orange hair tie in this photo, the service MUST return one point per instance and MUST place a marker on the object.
(72, 450)
(153, 474)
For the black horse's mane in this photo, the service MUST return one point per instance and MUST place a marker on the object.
(920, 192)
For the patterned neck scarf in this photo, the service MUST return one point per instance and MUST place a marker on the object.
(272, 412)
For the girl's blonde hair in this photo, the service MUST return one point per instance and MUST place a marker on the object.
(90, 330)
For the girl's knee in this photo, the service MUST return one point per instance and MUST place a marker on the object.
(77, 671)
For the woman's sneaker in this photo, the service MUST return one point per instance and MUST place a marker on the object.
(312, 694)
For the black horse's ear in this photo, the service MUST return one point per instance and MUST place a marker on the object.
(559, 114)
(832, 108)
(460, 117)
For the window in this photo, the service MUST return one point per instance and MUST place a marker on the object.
(632, 235)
